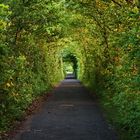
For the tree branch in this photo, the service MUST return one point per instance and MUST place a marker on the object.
(117, 3)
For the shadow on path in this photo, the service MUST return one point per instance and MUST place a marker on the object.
(71, 113)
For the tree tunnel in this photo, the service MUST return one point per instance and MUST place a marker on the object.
(97, 40)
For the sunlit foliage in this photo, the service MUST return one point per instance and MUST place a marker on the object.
(102, 35)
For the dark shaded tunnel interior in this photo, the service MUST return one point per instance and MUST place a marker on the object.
(72, 60)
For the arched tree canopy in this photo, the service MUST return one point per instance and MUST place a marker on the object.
(100, 37)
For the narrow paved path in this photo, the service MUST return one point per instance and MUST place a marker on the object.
(70, 114)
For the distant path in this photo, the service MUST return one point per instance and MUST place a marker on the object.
(70, 114)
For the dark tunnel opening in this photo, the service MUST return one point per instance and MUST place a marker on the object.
(71, 66)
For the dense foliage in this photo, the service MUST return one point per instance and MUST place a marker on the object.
(30, 61)
(100, 37)
(110, 52)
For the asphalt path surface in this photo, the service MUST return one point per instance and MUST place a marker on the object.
(71, 113)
